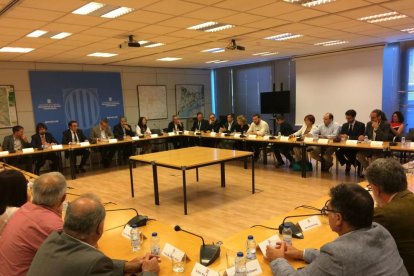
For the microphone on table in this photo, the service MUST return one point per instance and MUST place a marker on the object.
(208, 253)
(296, 231)
(138, 220)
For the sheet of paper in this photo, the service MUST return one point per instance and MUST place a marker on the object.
(269, 241)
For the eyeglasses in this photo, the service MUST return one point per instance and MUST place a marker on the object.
(325, 210)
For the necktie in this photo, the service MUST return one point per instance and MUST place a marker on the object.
(199, 125)
(75, 137)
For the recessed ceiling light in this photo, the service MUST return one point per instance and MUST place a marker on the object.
(410, 30)
(117, 12)
(98, 54)
(61, 35)
(202, 25)
(284, 36)
(211, 27)
(88, 8)
(36, 33)
(331, 43)
(309, 3)
(169, 59)
(15, 50)
(266, 54)
(217, 61)
(382, 17)
(154, 45)
(213, 50)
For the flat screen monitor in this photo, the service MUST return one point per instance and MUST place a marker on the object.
(275, 102)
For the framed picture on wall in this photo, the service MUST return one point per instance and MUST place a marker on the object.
(152, 101)
(8, 111)
(189, 99)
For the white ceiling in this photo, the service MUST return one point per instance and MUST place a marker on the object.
(166, 21)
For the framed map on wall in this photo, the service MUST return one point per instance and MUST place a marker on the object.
(8, 111)
(152, 101)
(189, 99)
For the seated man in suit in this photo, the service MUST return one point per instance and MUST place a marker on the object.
(121, 131)
(43, 140)
(74, 251)
(285, 129)
(230, 126)
(32, 223)
(259, 128)
(329, 128)
(200, 124)
(15, 143)
(74, 136)
(378, 129)
(175, 126)
(352, 129)
(362, 248)
(103, 132)
(213, 124)
(395, 205)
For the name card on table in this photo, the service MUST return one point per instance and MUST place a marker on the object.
(308, 140)
(172, 252)
(135, 138)
(126, 233)
(57, 147)
(251, 136)
(84, 144)
(171, 133)
(309, 223)
(201, 270)
(223, 134)
(28, 150)
(186, 132)
(284, 138)
(376, 143)
(4, 153)
(266, 137)
(253, 269)
(237, 135)
(411, 145)
(351, 142)
(270, 241)
(323, 141)
(154, 135)
(112, 141)
(213, 134)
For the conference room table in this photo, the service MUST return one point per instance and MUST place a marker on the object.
(186, 159)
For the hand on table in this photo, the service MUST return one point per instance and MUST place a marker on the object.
(282, 250)
(146, 263)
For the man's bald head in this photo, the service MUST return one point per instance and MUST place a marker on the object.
(83, 216)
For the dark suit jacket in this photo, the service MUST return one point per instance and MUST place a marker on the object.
(232, 128)
(204, 125)
(397, 216)
(119, 133)
(382, 133)
(285, 129)
(63, 255)
(67, 136)
(358, 129)
(8, 144)
(215, 127)
(171, 127)
(242, 129)
(37, 140)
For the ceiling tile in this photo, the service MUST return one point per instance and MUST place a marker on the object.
(242, 5)
(210, 13)
(276, 9)
(146, 17)
(173, 7)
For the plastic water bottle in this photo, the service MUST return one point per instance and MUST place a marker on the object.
(155, 244)
(279, 134)
(240, 265)
(135, 239)
(250, 248)
(366, 139)
(287, 234)
(403, 141)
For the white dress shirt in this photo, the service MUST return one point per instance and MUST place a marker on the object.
(261, 129)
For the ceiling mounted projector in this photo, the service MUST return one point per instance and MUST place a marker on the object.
(130, 43)
(233, 46)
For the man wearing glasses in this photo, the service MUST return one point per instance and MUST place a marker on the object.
(362, 248)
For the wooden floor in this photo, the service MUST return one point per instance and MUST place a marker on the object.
(212, 211)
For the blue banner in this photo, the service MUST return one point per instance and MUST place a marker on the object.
(86, 97)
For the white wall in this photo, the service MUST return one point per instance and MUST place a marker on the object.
(338, 82)
(17, 74)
